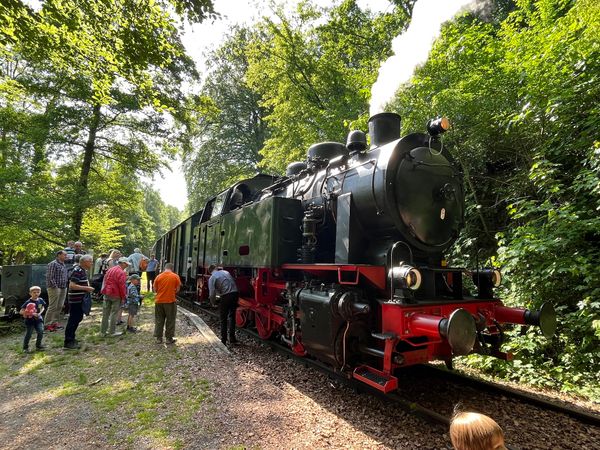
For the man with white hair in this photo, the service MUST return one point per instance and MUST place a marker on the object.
(79, 286)
(134, 262)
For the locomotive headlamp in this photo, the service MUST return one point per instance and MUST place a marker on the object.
(408, 276)
(438, 126)
(486, 280)
(490, 277)
(496, 278)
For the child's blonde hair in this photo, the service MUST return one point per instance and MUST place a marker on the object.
(33, 288)
(473, 431)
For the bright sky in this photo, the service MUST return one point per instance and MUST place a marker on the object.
(205, 36)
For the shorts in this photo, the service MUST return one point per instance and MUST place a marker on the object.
(132, 309)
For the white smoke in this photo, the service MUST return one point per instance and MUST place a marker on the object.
(412, 47)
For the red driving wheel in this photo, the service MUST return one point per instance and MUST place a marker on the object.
(243, 317)
(262, 326)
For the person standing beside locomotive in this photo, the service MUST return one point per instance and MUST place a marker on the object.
(32, 311)
(79, 285)
(151, 272)
(78, 250)
(56, 282)
(112, 260)
(221, 282)
(166, 286)
(115, 293)
(99, 263)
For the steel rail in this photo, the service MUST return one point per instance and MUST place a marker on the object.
(527, 397)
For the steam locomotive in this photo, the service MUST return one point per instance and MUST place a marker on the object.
(342, 258)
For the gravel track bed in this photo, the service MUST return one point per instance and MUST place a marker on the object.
(525, 426)
(132, 393)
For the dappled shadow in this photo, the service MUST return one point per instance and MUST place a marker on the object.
(70, 399)
(390, 427)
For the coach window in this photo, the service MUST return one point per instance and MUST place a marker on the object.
(218, 205)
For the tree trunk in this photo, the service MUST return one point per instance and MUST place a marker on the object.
(82, 191)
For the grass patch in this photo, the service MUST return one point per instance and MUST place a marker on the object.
(67, 389)
(150, 391)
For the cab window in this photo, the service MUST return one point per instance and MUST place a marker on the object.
(218, 205)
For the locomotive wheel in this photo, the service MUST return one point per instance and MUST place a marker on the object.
(262, 326)
(243, 317)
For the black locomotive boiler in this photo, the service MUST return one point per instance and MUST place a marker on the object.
(343, 258)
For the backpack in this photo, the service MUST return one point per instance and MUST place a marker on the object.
(143, 265)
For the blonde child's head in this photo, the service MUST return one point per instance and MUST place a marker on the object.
(35, 291)
(474, 431)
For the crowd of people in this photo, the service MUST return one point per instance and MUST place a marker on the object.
(73, 277)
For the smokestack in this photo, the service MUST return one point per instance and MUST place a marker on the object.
(384, 128)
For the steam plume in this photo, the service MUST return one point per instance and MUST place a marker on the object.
(412, 47)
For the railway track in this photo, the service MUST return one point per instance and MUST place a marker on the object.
(414, 407)
(408, 406)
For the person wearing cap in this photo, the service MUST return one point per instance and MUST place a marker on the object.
(32, 311)
(134, 300)
(115, 293)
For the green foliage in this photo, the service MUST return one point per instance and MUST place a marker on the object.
(314, 75)
(101, 231)
(522, 92)
(101, 40)
(225, 125)
(89, 92)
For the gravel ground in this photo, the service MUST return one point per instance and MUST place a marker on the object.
(384, 426)
(132, 393)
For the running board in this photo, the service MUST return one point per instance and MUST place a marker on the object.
(376, 379)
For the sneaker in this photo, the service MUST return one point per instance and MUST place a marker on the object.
(71, 346)
(26, 350)
(40, 347)
(117, 334)
(171, 341)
